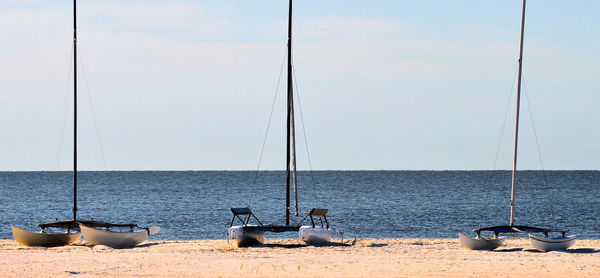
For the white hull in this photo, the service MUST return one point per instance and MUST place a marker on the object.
(316, 235)
(113, 239)
(551, 244)
(480, 243)
(239, 236)
(28, 238)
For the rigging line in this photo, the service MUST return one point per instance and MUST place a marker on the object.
(64, 123)
(293, 220)
(304, 133)
(92, 108)
(262, 150)
(97, 129)
(64, 115)
(533, 126)
(512, 93)
(539, 150)
(512, 88)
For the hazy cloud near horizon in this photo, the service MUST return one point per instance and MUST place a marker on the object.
(189, 84)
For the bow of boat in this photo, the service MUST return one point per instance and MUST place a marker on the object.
(480, 243)
(28, 238)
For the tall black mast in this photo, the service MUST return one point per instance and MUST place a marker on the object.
(514, 170)
(290, 117)
(74, 110)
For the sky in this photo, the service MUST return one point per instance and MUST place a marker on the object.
(383, 85)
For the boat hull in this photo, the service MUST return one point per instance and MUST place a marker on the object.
(315, 235)
(551, 244)
(112, 239)
(241, 237)
(479, 243)
(28, 238)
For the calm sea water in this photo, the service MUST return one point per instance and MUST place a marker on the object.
(395, 204)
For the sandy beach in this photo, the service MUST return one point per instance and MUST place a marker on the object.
(291, 258)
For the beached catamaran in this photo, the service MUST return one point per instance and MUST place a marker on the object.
(66, 232)
(318, 232)
(544, 243)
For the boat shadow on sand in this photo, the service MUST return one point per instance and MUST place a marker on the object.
(105, 247)
(582, 251)
(569, 251)
(299, 245)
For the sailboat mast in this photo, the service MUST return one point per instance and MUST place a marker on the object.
(290, 117)
(292, 122)
(74, 110)
(514, 170)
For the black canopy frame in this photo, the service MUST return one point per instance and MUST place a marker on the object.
(245, 215)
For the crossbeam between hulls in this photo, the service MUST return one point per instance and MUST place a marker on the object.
(74, 224)
(496, 230)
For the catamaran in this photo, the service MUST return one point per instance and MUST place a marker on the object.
(542, 243)
(69, 230)
(251, 230)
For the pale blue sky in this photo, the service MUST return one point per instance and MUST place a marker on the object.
(188, 85)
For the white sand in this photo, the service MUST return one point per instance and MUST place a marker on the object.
(289, 258)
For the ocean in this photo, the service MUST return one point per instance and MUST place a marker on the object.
(374, 204)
